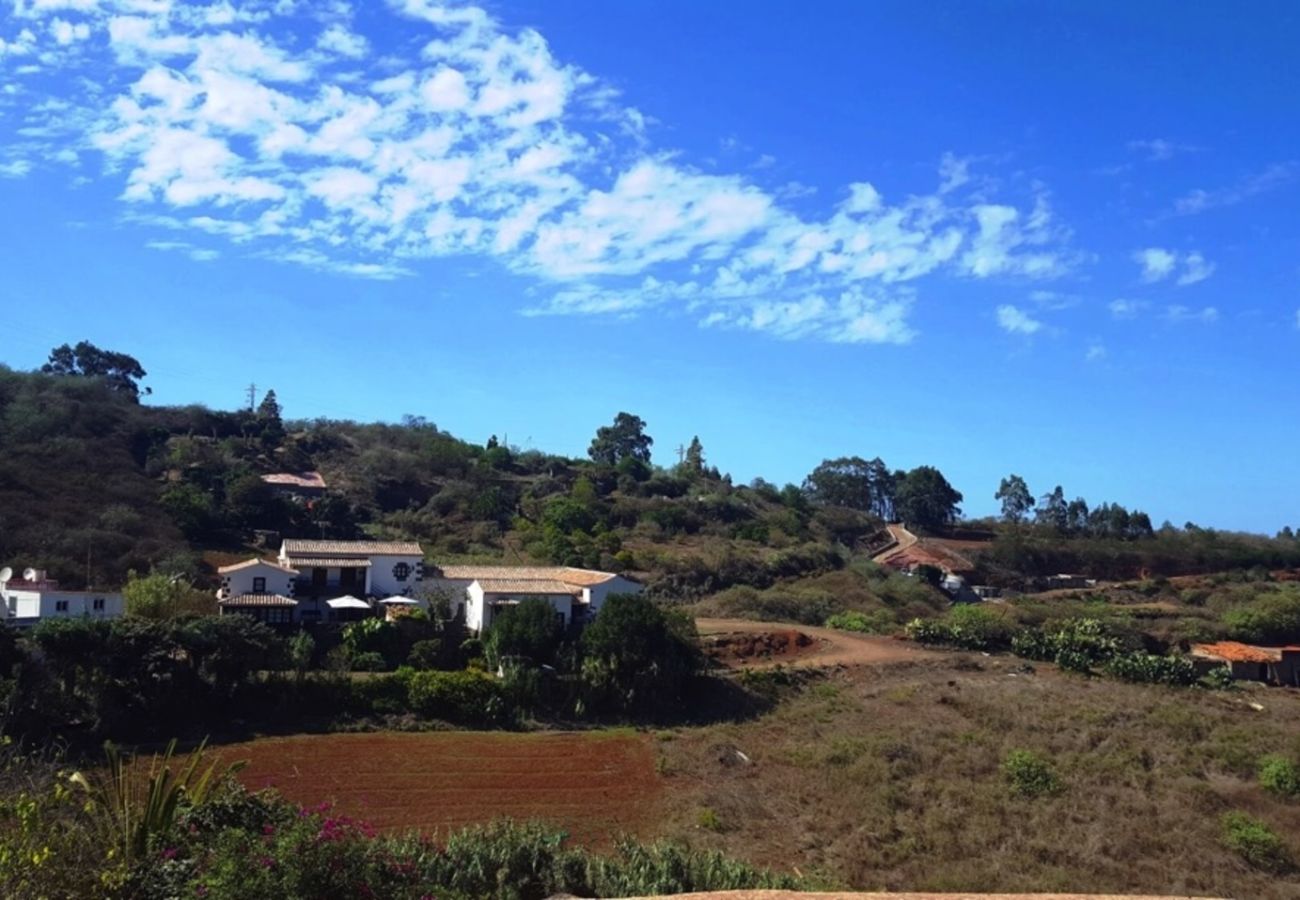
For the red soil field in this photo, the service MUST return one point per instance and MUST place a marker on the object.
(595, 786)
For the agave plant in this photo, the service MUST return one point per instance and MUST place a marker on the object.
(137, 809)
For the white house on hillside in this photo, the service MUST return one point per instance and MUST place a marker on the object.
(481, 592)
(258, 588)
(315, 581)
(362, 568)
(35, 597)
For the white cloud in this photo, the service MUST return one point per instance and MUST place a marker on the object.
(1095, 353)
(1195, 268)
(1156, 263)
(1013, 320)
(227, 119)
(1125, 309)
(1159, 264)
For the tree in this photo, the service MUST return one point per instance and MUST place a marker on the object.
(269, 422)
(926, 500)
(625, 438)
(120, 371)
(530, 630)
(853, 482)
(160, 597)
(694, 461)
(1015, 497)
(1054, 511)
(637, 655)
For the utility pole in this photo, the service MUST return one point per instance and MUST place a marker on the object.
(252, 397)
(681, 455)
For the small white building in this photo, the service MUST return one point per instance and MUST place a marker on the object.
(259, 588)
(479, 593)
(35, 597)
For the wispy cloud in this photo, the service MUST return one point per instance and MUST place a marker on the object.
(1095, 353)
(1205, 315)
(1125, 309)
(1159, 264)
(273, 126)
(1160, 149)
(1014, 320)
(1270, 179)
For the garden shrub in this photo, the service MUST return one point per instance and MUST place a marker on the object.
(1256, 843)
(369, 661)
(1147, 668)
(468, 696)
(966, 628)
(1030, 774)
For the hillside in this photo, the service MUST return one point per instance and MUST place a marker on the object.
(94, 484)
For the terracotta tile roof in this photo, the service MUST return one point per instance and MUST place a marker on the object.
(1234, 651)
(329, 562)
(258, 600)
(536, 586)
(298, 546)
(250, 563)
(296, 479)
(565, 574)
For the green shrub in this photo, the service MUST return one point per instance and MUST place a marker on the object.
(878, 622)
(425, 654)
(1029, 774)
(968, 627)
(708, 819)
(467, 696)
(1255, 842)
(1146, 668)
(1278, 775)
(369, 661)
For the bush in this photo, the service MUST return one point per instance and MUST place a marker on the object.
(966, 628)
(425, 654)
(467, 696)
(1029, 774)
(1278, 775)
(1146, 668)
(878, 622)
(369, 661)
(1255, 842)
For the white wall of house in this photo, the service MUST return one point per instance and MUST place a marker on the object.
(596, 594)
(47, 604)
(273, 580)
(458, 590)
(390, 575)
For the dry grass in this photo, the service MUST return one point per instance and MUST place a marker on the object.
(892, 779)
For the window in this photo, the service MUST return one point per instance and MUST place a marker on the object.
(277, 615)
(60, 605)
(402, 571)
(98, 604)
(259, 585)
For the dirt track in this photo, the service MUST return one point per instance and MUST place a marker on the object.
(835, 648)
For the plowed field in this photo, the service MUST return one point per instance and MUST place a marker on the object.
(594, 785)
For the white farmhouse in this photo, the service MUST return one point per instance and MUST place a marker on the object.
(36, 597)
(362, 568)
(481, 592)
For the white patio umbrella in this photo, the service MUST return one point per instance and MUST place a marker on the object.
(348, 602)
(398, 600)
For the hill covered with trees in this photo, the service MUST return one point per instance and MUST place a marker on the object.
(94, 483)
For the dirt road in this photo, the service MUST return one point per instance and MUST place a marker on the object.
(835, 648)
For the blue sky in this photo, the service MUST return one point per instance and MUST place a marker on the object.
(1053, 239)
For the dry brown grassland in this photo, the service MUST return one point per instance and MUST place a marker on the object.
(890, 778)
